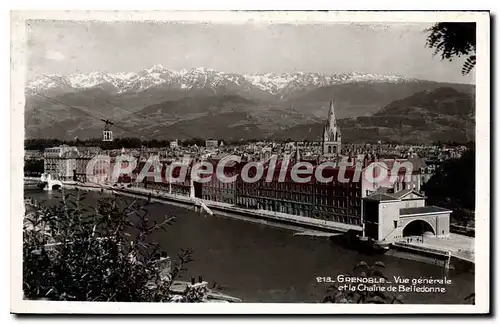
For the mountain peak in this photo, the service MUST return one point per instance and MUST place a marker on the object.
(156, 68)
(201, 77)
(203, 69)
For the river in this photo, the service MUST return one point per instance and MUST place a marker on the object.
(259, 263)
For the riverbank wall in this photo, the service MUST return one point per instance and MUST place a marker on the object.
(431, 256)
(298, 223)
(259, 216)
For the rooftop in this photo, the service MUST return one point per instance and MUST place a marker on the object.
(405, 192)
(422, 210)
(381, 197)
(401, 193)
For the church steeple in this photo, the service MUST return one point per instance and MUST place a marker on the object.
(331, 135)
(331, 114)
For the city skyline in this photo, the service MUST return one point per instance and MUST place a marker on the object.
(63, 47)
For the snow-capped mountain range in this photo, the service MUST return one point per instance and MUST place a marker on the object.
(198, 78)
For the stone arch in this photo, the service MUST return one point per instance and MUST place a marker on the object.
(56, 186)
(418, 227)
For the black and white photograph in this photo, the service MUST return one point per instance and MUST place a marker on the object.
(209, 162)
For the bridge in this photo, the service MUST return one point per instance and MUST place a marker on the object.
(45, 182)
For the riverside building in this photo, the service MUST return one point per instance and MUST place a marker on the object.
(60, 162)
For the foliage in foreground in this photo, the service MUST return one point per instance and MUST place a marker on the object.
(453, 186)
(454, 39)
(99, 254)
(471, 298)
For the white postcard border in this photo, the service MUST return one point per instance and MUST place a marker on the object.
(482, 254)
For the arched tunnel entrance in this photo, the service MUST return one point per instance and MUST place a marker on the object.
(56, 187)
(418, 227)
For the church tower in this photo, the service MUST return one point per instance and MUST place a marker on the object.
(332, 139)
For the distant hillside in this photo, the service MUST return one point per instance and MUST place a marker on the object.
(158, 103)
(432, 103)
(229, 126)
(362, 99)
(195, 105)
(442, 114)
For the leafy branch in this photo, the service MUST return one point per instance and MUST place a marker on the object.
(454, 39)
(104, 253)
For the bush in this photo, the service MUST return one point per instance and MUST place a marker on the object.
(97, 254)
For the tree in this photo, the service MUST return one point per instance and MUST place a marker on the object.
(446, 187)
(471, 298)
(33, 166)
(193, 141)
(454, 39)
(363, 270)
(98, 254)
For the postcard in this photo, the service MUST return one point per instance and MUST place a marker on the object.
(232, 162)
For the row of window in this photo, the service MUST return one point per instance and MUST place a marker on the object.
(219, 185)
(308, 189)
(282, 194)
(214, 190)
(346, 216)
(340, 201)
(227, 200)
(176, 189)
(301, 187)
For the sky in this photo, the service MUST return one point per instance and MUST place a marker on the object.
(65, 47)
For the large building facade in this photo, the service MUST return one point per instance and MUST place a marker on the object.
(60, 162)
(173, 181)
(332, 201)
(391, 216)
(338, 201)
